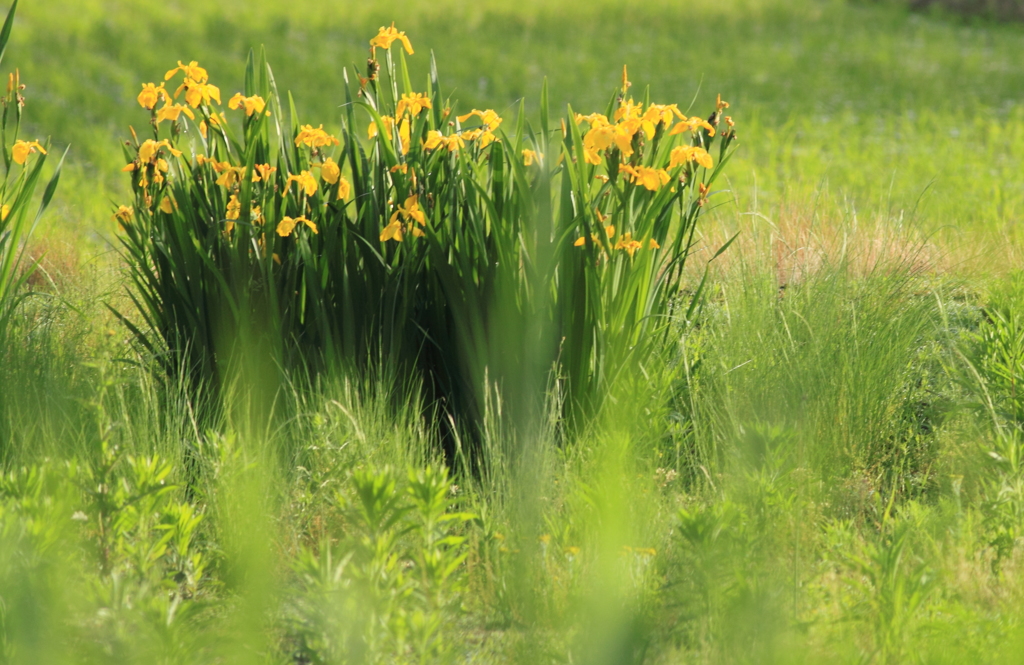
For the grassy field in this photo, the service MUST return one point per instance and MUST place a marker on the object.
(823, 461)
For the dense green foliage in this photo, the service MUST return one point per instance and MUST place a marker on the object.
(823, 461)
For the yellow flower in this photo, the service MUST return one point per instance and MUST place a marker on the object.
(5, 210)
(692, 125)
(124, 214)
(455, 142)
(720, 105)
(254, 104)
(403, 135)
(149, 150)
(305, 181)
(173, 111)
(344, 189)
(330, 171)
(650, 178)
(262, 172)
(288, 224)
(197, 92)
(192, 71)
(529, 156)
(386, 36)
(150, 95)
(231, 176)
(393, 231)
(489, 118)
(413, 102)
(315, 138)
(629, 110)
(594, 119)
(167, 205)
(411, 211)
(687, 153)
(653, 244)
(21, 150)
(609, 231)
(434, 140)
(627, 243)
(234, 207)
(659, 114)
(389, 127)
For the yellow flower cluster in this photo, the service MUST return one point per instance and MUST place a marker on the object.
(625, 241)
(625, 128)
(150, 162)
(196, 85)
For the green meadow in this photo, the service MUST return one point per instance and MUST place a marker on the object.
(795, 437)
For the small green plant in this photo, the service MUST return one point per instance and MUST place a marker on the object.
(398, 585)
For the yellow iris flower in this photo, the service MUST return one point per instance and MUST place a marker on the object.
(627, 243)
(254, 104)
(148, 151)
(172, 112)
(150, 95)
(124, 214)
(687, 153)
(262, 172)
(489, 118)
(387, 36)
(315, 138)
(344, 189)
(197, 92)
(692, 125)
(652, 179)
(393, 231)
(659, 114)
(410, 212)
(330, 171)
(22, 149)
(288, 224)
(192, 71)
(413, 102)
(389, 127)
(629, 110)
(529, 156)
(305, 181)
